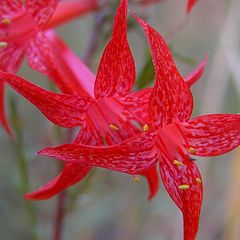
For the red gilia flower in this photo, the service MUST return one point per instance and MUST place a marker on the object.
(21, 32)
(170, 138)
(105, 111)
(107, 116)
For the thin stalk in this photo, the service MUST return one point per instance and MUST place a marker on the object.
(22, 168)
(59, 218)
(62, 196)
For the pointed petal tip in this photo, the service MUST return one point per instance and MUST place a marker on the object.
(34, 196)
(28, 196)
(151, 196)
(197, 73)
(190, 5)
(44, 151)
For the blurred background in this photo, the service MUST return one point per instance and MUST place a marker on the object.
(109, 205)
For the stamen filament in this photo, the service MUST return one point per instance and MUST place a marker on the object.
(114, 127)
(192, 150)
(6, 21)
(145, 128)
(198, 181)
(178, 163)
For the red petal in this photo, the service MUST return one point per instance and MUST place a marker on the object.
(66, 11)
(137, 105)
(190, 200)
(116, 73)
(132, 156)
(171, 99)
(71, 174)
(40, 57)
(74, 73)
(174, 177)
(190, 5)
(11, 58)
(10, 61)
(197, 73)
(8, 7)
(42, 10)
(153, 181)
(3, 119)
(62, 109)
(212, 135)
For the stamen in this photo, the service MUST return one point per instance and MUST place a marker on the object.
(6, 21)
(145, 128)
(192, 150)
(183, 186)
(198, 181)
(178, 163)
(114, 127)
(3, 44)
(136, 179)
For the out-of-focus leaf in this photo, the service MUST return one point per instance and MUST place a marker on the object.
(184, 58)
(147, 74)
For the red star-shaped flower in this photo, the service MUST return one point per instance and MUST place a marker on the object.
(105, 109)
(21, 32)
(170, 138)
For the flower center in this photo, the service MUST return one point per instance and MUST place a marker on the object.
(173, 142)
(109, 121)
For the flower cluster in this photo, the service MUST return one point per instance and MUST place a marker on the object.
(135, 132)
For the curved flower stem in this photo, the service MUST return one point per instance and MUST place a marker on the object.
(59, 218)
(22, 167)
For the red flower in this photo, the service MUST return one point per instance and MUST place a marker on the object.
(190, 5)
(21, 32)
(171, 138)
(105, 111)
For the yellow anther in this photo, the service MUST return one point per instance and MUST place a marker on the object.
(6, 21)
(114, 127)
(136, 179)
(145, 127)
(192, 150)
(3, 44)
(178, 163)
(198, 181)
(183, 186)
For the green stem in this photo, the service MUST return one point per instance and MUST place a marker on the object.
(22, 167)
